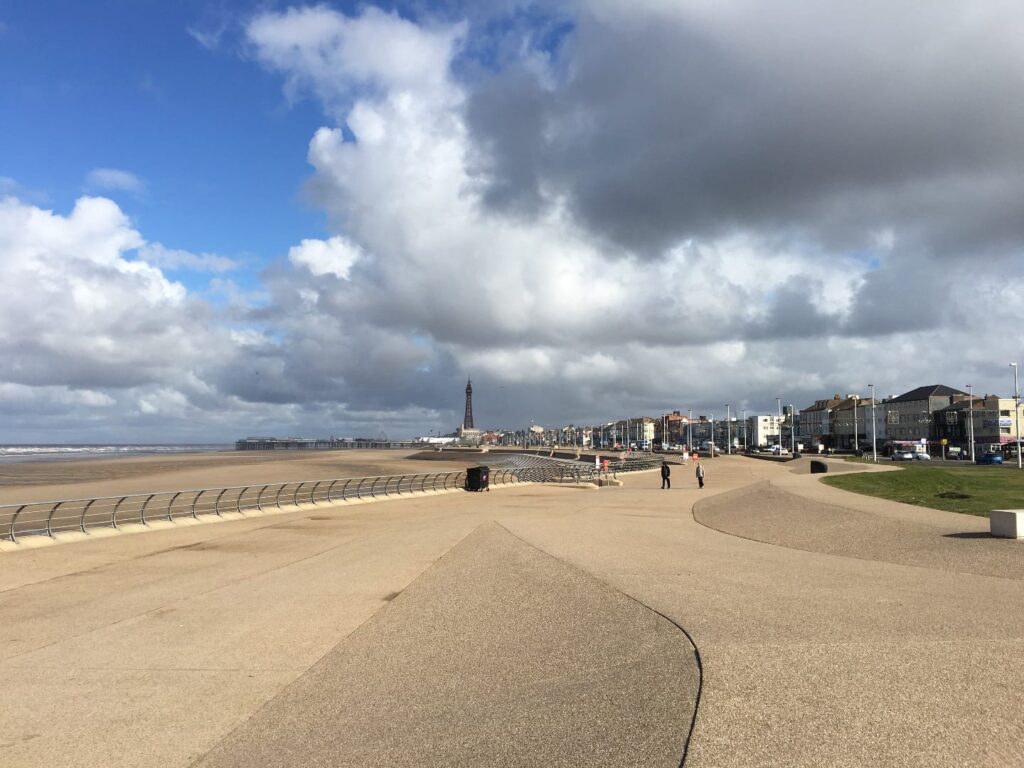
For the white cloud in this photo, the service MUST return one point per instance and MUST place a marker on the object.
(175, 259)
(326, 257)
(328, 52)
(208, 37)
(114, 179)
(76, 311)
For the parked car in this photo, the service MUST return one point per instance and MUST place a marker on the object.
(921, 456)
(990, 458)
(903, 456)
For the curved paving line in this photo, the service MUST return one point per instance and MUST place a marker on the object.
(872, 541)
(498, 654)
(669, 619)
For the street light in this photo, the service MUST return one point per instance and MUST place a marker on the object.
(728, 431)
(792, 430)
(856, 443)
(1016, 411)
(970, 424)
(874, 439)
(745, 446)
(778, 425)
(689, 430)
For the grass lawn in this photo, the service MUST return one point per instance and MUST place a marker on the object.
(971, 490)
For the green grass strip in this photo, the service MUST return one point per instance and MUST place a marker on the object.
(970, 490)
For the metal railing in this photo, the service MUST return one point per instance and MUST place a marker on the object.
(48, 518)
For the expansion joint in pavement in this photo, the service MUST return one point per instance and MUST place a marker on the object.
(669, 619)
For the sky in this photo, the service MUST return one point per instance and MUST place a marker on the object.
(222, 219)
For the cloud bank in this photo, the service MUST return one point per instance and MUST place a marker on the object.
(663, 205)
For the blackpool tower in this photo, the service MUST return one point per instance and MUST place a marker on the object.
(467, 421)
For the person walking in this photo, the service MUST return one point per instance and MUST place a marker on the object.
(666, 481)
(700, 474)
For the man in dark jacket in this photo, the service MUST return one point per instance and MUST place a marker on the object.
(666, 482)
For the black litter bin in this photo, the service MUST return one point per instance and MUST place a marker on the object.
(477, 478)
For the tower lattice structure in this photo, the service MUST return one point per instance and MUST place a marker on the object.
(467, 421)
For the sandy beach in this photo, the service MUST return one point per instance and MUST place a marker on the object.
(89, 478)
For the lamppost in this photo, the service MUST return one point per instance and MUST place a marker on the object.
(874, 439)
(728, 431)
(1016, 411)
(711, 450)
(689, 430)
(856, 444)
(745, 446)
(970, 424)
(778, 425)
(792, 430)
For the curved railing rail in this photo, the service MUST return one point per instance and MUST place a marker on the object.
(47, 518)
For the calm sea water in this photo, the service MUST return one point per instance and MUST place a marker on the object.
(13, 453)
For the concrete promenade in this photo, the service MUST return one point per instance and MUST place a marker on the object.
(527, 626)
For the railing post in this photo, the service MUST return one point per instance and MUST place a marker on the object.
(14, 519)
(195, 503)
(312, 494)
(113, 515)
(373, 488)
(259, 498)
(433, 485)
(399, 486)
(423, 483)
(330, 489)
(84, 510)
(142, 512)
(216, 503)
(344, 490)
(170, 506)
(295, 496)
(49, 518)
(280, 490)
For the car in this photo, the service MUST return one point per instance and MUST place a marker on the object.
(990, 458)
(921, 456)
(902, 456)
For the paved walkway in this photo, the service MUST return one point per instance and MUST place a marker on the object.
(494, 629)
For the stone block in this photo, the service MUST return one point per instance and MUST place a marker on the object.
(1007, 523)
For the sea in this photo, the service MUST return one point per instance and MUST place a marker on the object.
(61, 452)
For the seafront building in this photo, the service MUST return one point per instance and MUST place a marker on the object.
(765, 430)
(991, 422)
(909, 416)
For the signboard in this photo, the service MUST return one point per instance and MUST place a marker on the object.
(1002, 421)
(944, 441)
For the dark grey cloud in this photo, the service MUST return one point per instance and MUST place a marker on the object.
(824, 125)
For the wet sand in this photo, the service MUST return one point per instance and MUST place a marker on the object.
(89, 478)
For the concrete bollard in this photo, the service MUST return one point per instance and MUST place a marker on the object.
(818, 467)
(1007, 523)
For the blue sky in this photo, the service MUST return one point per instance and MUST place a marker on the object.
(596, 209)
(122, 84)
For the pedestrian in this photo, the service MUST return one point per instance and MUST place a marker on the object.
(666, 481)
(700, 474)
